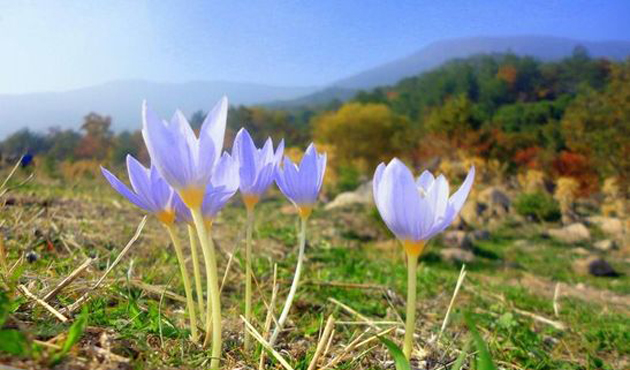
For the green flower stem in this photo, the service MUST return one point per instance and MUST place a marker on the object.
(195, 260)
(248, 276)
(412, 267)
(294, 284)
(213, 309)
(187, 288)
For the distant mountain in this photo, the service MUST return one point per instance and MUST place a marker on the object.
(122, 100)
(542, 47)
(318, 98)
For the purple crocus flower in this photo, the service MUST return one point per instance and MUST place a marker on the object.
(223, 185)
(185, 161)
(302, 184)
(150, 192)
(257, 166)
(416, 210)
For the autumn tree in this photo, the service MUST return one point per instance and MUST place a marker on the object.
(97, 140)
(368, 132)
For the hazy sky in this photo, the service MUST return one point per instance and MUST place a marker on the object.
(63, 44)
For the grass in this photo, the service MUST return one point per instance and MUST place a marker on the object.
(514, 272)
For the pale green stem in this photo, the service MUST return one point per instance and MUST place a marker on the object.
(187, 288)
(294, 284)
(248, 276)
(195, 260)
(412, 266)
(213, 309)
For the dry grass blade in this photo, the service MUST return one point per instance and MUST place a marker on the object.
(266, 344)
(460, 281)
(357, 343)
(330, 323)
(48, 307)
(354, 313)
(270, 316)
(556, 324)
(3, 188)
(86, 295)
(70, 278)
(157, 290)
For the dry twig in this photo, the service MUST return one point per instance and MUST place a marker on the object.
(48, 307)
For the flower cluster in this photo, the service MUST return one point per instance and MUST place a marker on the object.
(191, 179)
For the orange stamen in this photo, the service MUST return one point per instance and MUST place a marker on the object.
(250, 201)
(192, 197)
(414, 248)
(167, 217)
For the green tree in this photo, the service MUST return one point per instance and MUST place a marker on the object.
(597, 125)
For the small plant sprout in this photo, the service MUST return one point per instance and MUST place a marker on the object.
(257, 169)
(301, 185)
(415, 211)
(187, 163)
(152, 194)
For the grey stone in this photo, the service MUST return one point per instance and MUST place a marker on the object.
(574, 233)
(595, 266)
(362, 195)
(605, 245)
(457, 239)
(610, 225)
(457, 255)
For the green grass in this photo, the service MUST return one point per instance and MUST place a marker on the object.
(151, 332)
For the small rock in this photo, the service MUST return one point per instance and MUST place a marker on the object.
(496, 199)
(581, 251)
(32, 257)
(457, 255)
(573, 233)
(609, 225)
(605, 245)
(478, 235)
(595, 266)
(361, 195)
(457, 239)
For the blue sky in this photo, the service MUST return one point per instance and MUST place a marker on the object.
(64, 44)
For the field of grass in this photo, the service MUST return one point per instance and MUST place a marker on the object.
(354, 271)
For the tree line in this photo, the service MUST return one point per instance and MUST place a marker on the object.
(568, 118)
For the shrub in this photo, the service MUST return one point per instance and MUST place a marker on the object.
(537, 205)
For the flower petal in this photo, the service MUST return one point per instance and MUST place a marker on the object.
(399, 201)
(425, 180)
(168, 149)
(123, 190)
(459, 197)
(213, 126)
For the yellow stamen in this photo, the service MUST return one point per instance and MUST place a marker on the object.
(167, 217)
(413, 248)
(192, 197)
(305, 210)
(250, 201)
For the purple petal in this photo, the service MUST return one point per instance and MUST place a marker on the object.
(425, 180)
(213, 126)
(399, 201)
(245, 151)
(459, 197)
(123, 190)
(168, 150)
